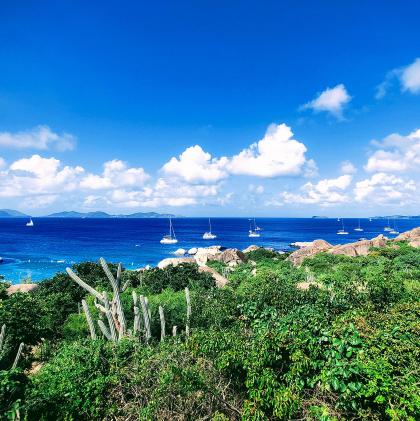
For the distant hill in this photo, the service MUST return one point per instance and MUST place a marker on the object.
(10, 213)
(72, 214)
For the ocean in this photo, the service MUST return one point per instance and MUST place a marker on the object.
(52, 244)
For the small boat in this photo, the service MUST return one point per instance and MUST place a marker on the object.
(342, 231)
(370, 219)
(30, 223)
(1, 259)
(253, 233)
(209, 235)
(169, 238)
(388, 227)
(359, 228)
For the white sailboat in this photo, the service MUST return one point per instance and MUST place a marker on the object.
(359, 228)
(30, 223)
(209, 235)
(342, 231)
(388, 227)
(252, 230)
(394, 230)
(169, 238)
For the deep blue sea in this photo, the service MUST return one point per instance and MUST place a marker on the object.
(53, 244)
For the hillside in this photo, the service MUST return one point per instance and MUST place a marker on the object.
(10, 213)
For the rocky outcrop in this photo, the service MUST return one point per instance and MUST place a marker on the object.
(221, 281)
(179, 252)
(359, 248)
(229, 256)
(412, 237)
(21, 288)
(175, 261)
(192, 251)
(204, 254)
(317, 246)
(251, 248)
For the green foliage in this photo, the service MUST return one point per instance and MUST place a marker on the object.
(12, 387)
(263, 254)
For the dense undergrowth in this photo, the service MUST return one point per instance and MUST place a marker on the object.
(337, 338)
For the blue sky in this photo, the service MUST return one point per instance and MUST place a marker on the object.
(134, 106)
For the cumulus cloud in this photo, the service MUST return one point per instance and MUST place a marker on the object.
(276, 154)
(195, 165)
(348, 168)
(256, 189)
(116, 174)
(407, 76)
(40, 137)
(326, 192)
(332, 100)
(395, 153)
(382, 188)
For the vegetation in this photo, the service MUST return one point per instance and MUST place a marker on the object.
(337, 338)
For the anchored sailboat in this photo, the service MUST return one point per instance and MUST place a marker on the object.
(342, 231)
(209, 235)
(253, 229)
(30, 223)
(359, 228)
(394, 230)
(388, 227)
(169, 238)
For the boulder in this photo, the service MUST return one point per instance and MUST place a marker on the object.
(317, 246)
(175, 261)
(21, 288)
(301, 244)
(205, 254)
(230, 255)
(412, 237)
(192, 251)
(180, 252)
(359, 248)
(251, 248)
(221, 281)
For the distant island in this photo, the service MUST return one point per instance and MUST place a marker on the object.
(9, 213)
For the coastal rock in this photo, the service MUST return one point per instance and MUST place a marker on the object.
(231, 255)
(21, 288)
(359, 248)
(412, 237)
(221, 281)
(180, 252)
(205, 254)
(175, 261)
(192, 251)
(251, 248)
(317, 246)
(301, 244)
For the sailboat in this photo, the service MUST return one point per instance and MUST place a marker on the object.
(30, 223)
(169, 238)
(388, 227)
(394, 230)
(257, 228)
(209, 235)
(253, 229)
(359, 228)
(342, 231)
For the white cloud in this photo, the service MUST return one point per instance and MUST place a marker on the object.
(332, 100)
(408, 77)
(116, 173)
(2, 163)
(348, 168)
(396, 153)
(257, 189)
(326, 192)
(196, 166)
(384, 188)
(40, 137)
(276, 154)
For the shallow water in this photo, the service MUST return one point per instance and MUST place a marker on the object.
(53, 244)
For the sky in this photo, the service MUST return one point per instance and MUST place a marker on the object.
(239, 108)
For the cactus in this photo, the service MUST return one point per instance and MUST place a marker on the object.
(162, 323)
(2, 337)
(89, 319)
(104, 330)
(19, 353)
(174, 329)
(187, 298)
(146, 316)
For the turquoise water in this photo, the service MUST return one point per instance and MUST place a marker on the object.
(53, 244)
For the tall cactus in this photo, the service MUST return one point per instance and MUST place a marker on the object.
(19, 353)
(187, 298)
(89, 320)
(2, 337)
(146, 317)
(162, 323)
